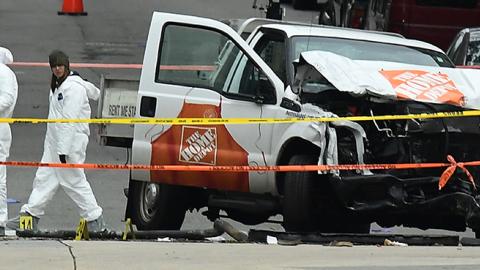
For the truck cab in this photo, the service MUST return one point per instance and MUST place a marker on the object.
(201, 68)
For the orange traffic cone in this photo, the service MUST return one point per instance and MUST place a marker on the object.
(72, 7)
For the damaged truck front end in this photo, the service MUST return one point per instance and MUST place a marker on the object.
(409, 197)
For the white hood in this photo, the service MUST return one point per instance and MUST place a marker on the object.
(6, 56)
(391, 80)
(92, 91)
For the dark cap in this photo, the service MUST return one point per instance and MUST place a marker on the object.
(58, 58)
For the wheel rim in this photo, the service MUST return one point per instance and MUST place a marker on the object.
(149, 197)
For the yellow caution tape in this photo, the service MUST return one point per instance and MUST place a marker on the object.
(219, 121)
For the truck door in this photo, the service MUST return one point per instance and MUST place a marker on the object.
(200, 68)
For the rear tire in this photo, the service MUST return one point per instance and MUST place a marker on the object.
(298, 201)
(157, 206)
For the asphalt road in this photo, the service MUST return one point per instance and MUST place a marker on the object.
(114, 31)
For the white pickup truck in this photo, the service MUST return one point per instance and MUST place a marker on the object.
(200, 68)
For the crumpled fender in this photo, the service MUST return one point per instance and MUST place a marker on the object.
(304, 130)
(315, 133)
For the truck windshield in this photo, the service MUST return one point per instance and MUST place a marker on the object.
(369, 50)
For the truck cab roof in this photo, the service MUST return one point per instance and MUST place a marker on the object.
(383, 37)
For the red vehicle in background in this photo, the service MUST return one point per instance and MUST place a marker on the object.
(433, 21)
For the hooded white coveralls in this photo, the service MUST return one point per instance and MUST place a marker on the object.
(8, 98)
(69, 101)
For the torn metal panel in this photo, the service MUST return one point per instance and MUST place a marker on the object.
(415, 201)
(359, 135)
(328, 136)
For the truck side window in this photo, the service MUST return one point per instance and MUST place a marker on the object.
(473, 53)
(247, 80)
(214, 62)
(272, 51)
(184, 64)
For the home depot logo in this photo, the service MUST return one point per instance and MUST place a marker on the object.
(198, 145)
(424, 86)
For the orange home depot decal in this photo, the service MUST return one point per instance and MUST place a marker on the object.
(200, 145)
(424, 86)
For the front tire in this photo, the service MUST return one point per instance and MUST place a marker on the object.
(155, 206)
(303, 197)
(298, 201)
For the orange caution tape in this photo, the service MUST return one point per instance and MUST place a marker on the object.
(444, 178)
(282, 168)
(451, 170)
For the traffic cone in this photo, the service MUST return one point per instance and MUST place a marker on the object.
(72, 7)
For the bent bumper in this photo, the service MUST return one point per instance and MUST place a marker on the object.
(417, 202)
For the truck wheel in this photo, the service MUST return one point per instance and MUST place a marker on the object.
(300, 203)
(156, 206)
(298, 200)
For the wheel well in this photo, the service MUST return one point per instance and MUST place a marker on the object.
(293, 147)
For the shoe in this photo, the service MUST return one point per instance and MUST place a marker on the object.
(14, 223)
(97, 225)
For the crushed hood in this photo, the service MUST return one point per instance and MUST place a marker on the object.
(394, 81)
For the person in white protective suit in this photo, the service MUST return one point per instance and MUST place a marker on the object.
(8, 98)
(66, 143)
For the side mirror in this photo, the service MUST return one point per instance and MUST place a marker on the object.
(290, 101)
(290, 105)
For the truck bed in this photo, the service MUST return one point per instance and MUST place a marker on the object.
(118, 99)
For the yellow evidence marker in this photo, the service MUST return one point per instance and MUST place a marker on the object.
(82, 231)
(26, 222)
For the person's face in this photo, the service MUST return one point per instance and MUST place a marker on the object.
(58, 71)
